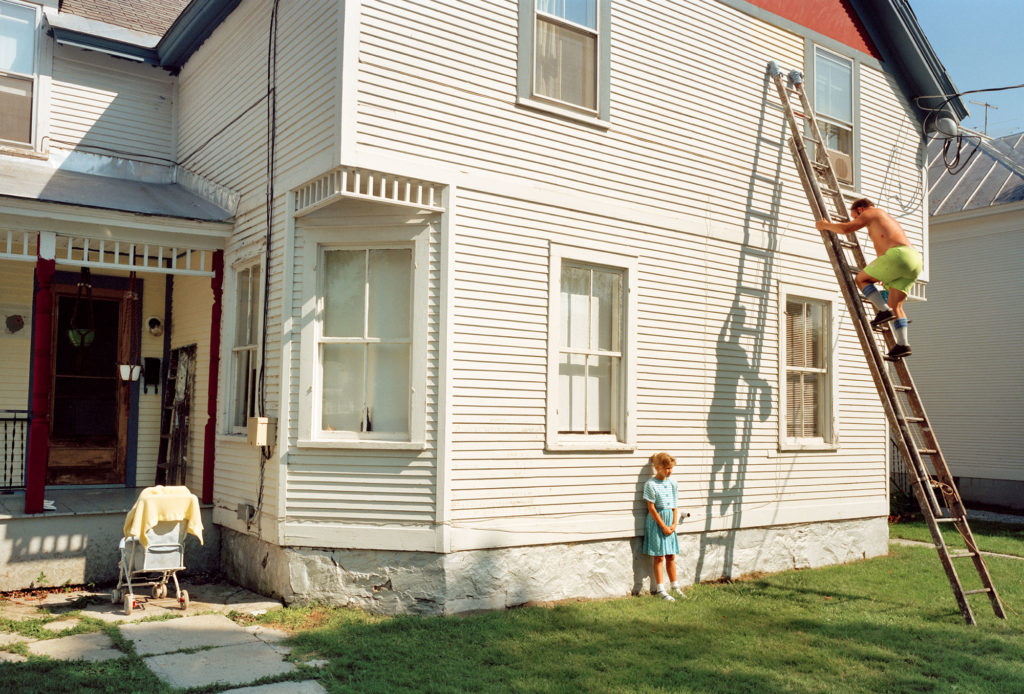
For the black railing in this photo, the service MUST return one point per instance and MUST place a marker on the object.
(899, 475)
(13, 449)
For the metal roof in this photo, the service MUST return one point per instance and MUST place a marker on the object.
(994, 176)
(31, 180)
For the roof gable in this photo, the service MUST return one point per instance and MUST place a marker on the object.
(835, 19)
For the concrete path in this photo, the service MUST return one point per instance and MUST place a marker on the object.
(198, 647)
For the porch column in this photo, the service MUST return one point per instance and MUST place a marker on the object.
(210, 434)
(39, 430)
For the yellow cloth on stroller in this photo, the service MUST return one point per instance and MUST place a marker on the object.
(156, 504)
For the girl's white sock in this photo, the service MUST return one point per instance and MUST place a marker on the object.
(660, 588)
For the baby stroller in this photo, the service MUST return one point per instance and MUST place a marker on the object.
(152, 550)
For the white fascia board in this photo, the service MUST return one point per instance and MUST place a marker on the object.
(62, 20)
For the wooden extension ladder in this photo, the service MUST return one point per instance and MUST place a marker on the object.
(908, 421)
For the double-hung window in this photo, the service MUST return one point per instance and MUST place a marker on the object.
(834, 106)
(365, 340)
(590, 372)
(245, 346)
(564, 55)
(18, 39)
(808, 371)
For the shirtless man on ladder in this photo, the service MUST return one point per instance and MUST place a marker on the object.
(896, 266)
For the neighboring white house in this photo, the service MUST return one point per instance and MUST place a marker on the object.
(967, 337)
(512, 250)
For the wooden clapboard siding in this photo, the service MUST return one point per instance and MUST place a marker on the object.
(966, 341)
(153, 290)
(15, 350)
(670, 118)
(111, 107)
(686, 381)
(190, 324)
(228, 75)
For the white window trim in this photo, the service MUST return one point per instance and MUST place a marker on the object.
(830, 441)
(230, 299)
(40, 87)
(525, 96)
(629, 266)
(310, 370)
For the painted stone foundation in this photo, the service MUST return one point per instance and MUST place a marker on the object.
(389, 582)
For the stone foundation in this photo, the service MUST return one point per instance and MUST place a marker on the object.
(389, 582)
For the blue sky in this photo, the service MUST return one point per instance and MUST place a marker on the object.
(981, 43)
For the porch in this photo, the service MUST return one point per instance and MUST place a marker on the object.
(76, 543)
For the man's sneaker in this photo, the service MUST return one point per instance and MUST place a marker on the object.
(898, 352)
(881, 319)
(665, 596)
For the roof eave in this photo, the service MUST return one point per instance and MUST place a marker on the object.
(899, 37)
(192, 27)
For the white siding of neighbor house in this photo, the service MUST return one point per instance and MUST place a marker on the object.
(692, 177)
(331, 489)
(967, 338)
(111, 107)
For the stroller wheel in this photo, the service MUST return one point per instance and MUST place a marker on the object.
(183, 600)
(156, 591)
(163, 590)
(128, 603)
(115, 596)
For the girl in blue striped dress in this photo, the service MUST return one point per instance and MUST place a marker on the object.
(660, 541)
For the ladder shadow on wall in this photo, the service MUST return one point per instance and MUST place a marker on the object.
(741, 397)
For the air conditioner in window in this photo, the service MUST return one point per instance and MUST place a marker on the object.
(842, 164)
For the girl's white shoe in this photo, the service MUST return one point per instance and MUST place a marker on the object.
(665, 596)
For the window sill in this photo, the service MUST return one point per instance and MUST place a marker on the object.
(364, 445)
(26, 152)
(233, 438)
(798, 446)
(569, 114)
(595, 446)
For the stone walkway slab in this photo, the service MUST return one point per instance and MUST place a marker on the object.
(61, 625)
(305, 687)
(92, 647)
(201, 631)
(7, 638)
(227, 665)
(6, 657)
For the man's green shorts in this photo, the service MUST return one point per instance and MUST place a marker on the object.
(897, 268)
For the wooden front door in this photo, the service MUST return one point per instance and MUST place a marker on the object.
(88, 411)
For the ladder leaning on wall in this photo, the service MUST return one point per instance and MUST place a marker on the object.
(908, 421)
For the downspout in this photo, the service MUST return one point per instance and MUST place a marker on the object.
(210, 440)
(42, 334)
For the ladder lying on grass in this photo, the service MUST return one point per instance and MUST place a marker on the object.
(903, 407)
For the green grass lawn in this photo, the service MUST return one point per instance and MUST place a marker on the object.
(1002, 538)
(888, 624)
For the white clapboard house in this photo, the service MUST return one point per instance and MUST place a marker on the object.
(968, 333)
(511, 249)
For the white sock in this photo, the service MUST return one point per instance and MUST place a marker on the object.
(675, 586)
(660, 588)
(872, 294)
(899, 331)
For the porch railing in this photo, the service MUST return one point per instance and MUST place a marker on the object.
(13, 449)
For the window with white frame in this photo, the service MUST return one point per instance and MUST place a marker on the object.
(564, 54)
(245, 346)
(834, 105)
(808, 368)
(590, 373)
(18, 39)
(365, 341)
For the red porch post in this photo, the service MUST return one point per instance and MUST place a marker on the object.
(39, 430)
(210, 434)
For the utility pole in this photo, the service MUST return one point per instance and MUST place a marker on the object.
(987, 106)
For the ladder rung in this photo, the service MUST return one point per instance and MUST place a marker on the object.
(913, 420)
(927, 451)
(979, 590)
(903, 389)
(849, 244)
(961, 555)
(946, 520)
